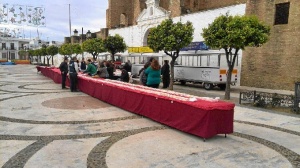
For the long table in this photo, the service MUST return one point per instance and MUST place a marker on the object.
(202, 117)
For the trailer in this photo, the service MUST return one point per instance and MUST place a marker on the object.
(208, 67)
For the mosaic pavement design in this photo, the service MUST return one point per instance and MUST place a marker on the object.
(44, 126)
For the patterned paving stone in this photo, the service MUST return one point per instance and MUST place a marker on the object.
(42, 126)
(75, 103)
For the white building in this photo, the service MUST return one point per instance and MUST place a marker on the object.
(136, 36)
(153, 15)
(10, 47)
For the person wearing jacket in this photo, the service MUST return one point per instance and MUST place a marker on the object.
(73, 71)
(91, 69)
(102, 71)
(165, 72)
(63, 67)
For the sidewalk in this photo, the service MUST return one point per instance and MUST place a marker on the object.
(44, 126)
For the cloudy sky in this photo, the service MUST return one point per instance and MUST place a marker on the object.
(89, 14)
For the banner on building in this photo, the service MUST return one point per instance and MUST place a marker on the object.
(22, 15)
(195, 46)
(140, 50)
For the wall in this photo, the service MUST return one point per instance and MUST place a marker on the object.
(275, 65)
(132, 8)
(134, 35)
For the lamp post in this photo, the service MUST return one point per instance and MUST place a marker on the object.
(82, 41)
(88, 34)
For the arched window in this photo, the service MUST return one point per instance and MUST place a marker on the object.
(123, 20)
(151, 11)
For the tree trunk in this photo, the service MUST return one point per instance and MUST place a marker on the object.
(47, 62)
(44, 60)
(113, 57)
(228, 82)
(52, 60)
(231, 63)
(172, 73)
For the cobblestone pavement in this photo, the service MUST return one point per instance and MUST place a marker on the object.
(44, 126)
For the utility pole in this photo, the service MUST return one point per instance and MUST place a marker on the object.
(82, 40)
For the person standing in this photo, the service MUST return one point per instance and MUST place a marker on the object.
(73, 71)
(143, 76)
(63, 67)
(82, 65)
(153, 74)
(165, 72)
(110, 70)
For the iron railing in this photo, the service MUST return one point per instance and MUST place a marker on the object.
(297, 97)
(264, 99)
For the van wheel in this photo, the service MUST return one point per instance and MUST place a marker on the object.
(222, 86)
(182, 82)
(208, 86)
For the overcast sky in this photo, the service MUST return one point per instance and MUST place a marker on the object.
(89, 14)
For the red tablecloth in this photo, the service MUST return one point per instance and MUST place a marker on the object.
(202, 118)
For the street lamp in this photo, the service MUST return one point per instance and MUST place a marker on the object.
(82, 40)
(88, 34)
(75, 32)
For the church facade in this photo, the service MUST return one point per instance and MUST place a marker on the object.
(275, 65)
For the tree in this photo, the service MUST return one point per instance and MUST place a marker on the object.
(66, 50)
(22, 53)
(234, 33)
(38, 53)
(31, 54)
(43, 52)
(115, 44)
(76, 48)
(94, 46)
(52, 50)
(171, 37)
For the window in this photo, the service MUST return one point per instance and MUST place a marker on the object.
(12, 46)
(4, 55)
(12, 56)
(282, 13)
(151, 11)
(3, 45)
(122, 20)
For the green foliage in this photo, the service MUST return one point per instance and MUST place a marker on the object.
(169, 36)
(38, 52)
(236, 32)
(233, 33)
(94, 46)
(52, 50)
(65, 49)
(76, 48)
(115, 44)
(43, 51)
(31, 53)
(22, 53)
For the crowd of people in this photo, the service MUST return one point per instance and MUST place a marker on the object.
(150, 74)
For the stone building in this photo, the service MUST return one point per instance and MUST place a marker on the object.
(275, 65)
(126, 12)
